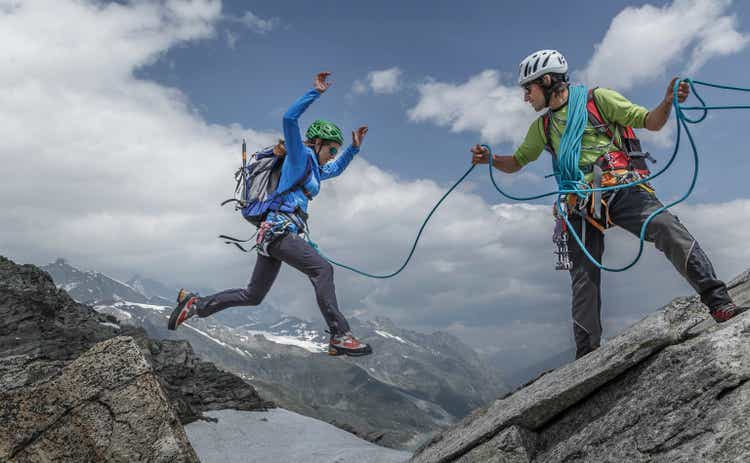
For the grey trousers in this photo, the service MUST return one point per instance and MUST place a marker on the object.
(629, 208)
(295, 251)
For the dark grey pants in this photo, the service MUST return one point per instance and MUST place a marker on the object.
(629, 208)
(292, 250)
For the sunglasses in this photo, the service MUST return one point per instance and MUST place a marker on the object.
(333, 150)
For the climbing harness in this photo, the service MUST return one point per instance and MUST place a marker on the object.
(276, 225)
(623, 162)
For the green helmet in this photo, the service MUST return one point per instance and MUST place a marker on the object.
(325, 131)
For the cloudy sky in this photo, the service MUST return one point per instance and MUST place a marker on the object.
(121, 125)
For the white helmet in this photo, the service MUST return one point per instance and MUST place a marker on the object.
(540, 63)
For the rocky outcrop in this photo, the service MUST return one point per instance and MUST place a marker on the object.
(74, 378)
(674, 387)
(194, 386)
(107, 405)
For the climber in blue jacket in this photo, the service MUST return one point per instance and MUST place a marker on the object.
(307, 162)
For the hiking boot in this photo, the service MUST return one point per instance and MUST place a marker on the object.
(347, 344)
(187, 306)
(727, 311)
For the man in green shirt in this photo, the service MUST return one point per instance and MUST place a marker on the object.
(543, 75)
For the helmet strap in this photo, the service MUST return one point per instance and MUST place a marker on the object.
(550, 90)
(318, 146)
(546, 89)
(547, 95)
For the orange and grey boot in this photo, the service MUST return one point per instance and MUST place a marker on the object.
(187, 306)
(347, 344)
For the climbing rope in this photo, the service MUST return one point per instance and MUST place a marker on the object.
(413, 246)
(570, 178)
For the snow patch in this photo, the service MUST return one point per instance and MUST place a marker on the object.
(283, 320)
(221, 343)
(71, 286)
(117, 281)
(112, 325)
(160, 308)
(114, 311)
(292, 341)
(389, 335)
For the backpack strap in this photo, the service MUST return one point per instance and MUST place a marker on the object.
(628, 140)
(301, 183)
(237, 241)
(595, 115)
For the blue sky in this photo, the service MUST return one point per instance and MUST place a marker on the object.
(122, 122)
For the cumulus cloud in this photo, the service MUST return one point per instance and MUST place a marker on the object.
(369, 218)
(482, 104)
(384, 82)
(643, 42)
(722, 228)
(661, 140)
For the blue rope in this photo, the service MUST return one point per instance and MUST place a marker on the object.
(413, 247)
(570, 178)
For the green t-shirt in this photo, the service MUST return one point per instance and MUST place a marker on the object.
(615, 108)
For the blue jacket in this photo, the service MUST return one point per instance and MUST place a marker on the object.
(299, 156)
